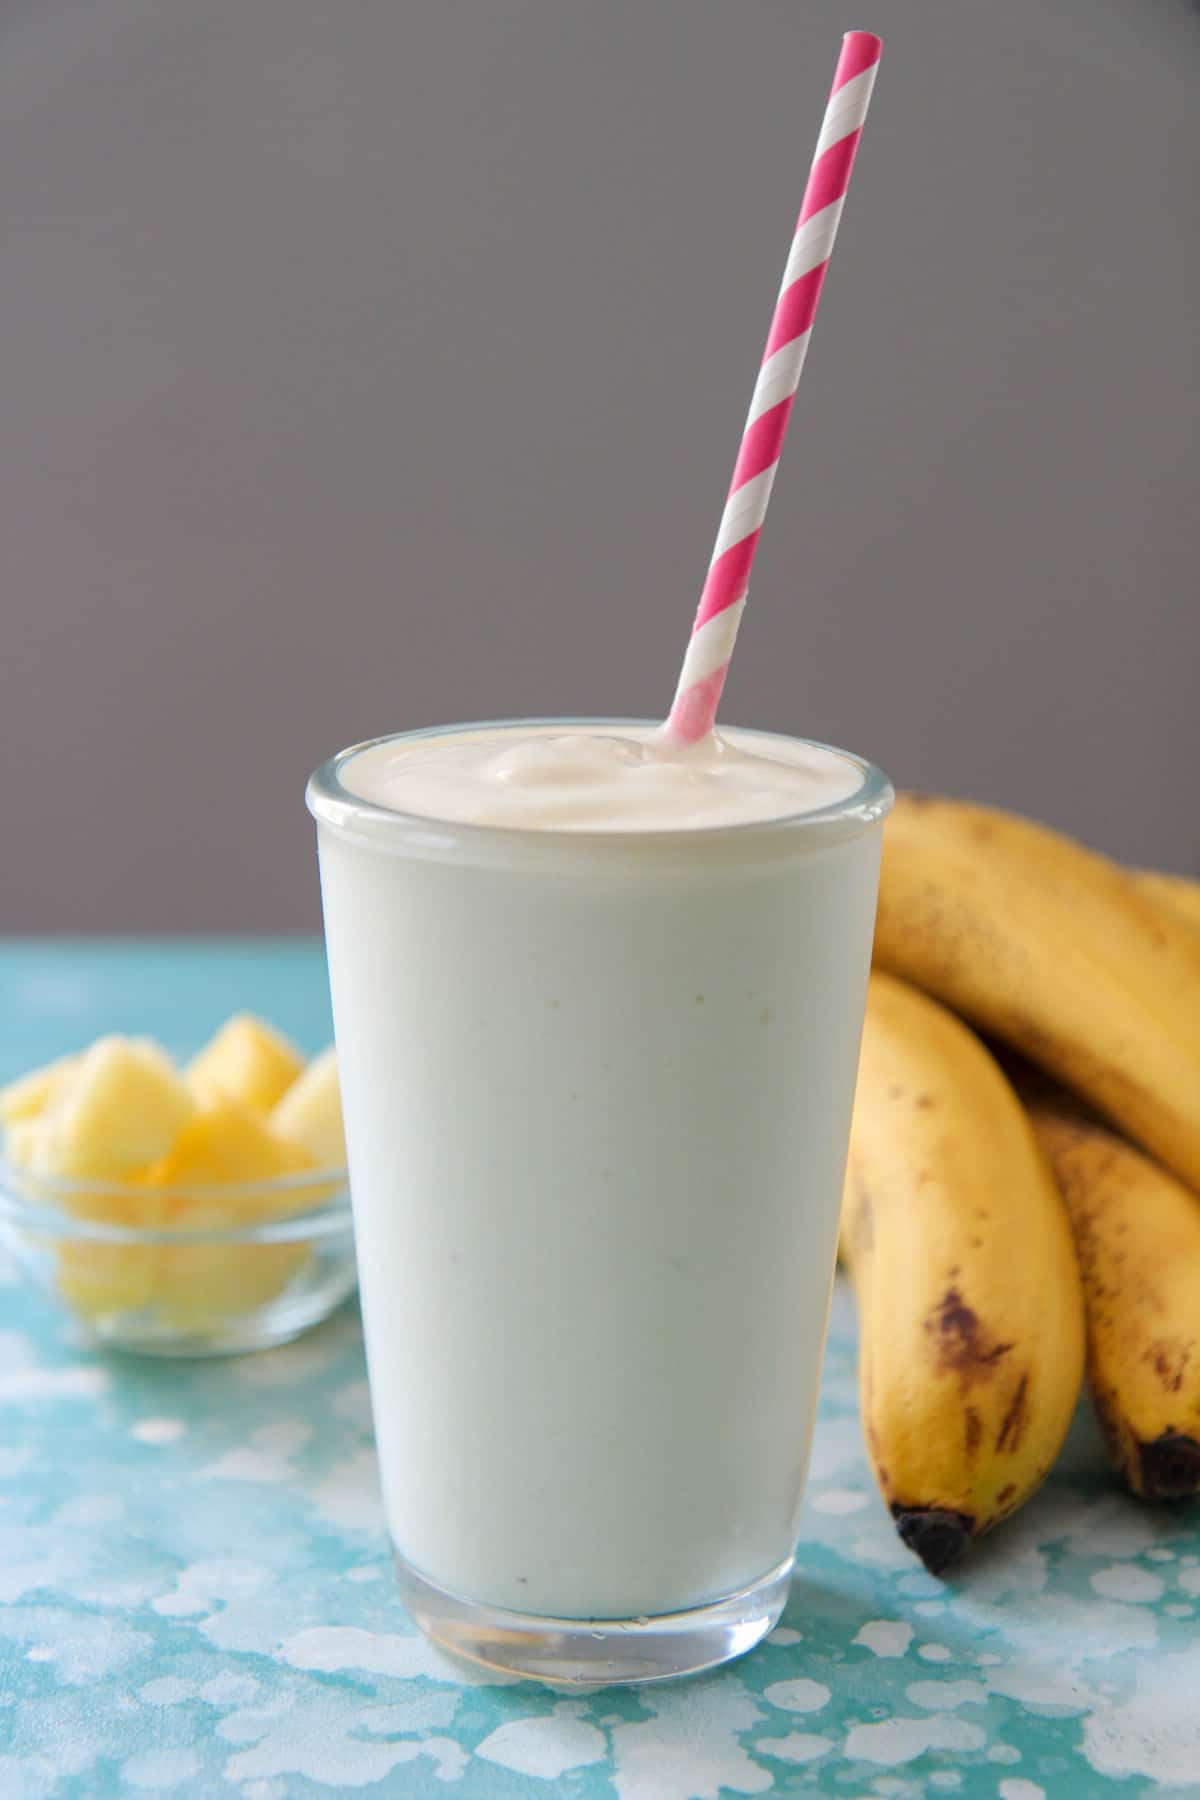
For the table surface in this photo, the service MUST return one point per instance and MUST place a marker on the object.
(195, 1595)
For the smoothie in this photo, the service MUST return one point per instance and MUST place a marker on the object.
(597, 1008)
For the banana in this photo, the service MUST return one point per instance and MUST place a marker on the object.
(1137, 1238)
(970, 1310)
(1179, 892)
(1056, 950)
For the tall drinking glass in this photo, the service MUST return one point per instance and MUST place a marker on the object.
(597, 1089)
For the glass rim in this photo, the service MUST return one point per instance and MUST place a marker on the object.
(332, 803)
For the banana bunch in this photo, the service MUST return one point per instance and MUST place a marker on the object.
(998, 1219)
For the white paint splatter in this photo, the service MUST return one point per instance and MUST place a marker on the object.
(350, 1496)
(82, 1648)
(921, 1585)
(894, 1741)
(929, 1609)
(1189, 1579)
(1176, 1611)
(547, 1746)
(158, 1431)
(157, 1771)
(291, 1364)
(783, 1634)
(1160, 1555)
(884, 1637)
(450, 1759)
(934, 1695)
(416, 1711)
(1003, 1753)
(800, 1695)
(837, 1450)
(73, 1381)
(689, 1750)
(1049, 1688)
(330, 1648)
(1127, 1583)
(797, 1746)
(229, 1689)
(935, 1653)
(268, 1455)
(88, 1510)
(945, 1778)
(303, 1747)
(167, 1690)
(1113, 1526)
(203, 1583)
(37, 1557)
(353, 1402)
(1155, 1733)
(1015, 1787)
(838, 1501)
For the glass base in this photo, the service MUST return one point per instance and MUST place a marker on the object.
(588, 1653)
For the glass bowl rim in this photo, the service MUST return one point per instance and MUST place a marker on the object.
(40, 1203)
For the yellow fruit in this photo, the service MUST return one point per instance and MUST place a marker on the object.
(102, 1279)
(310, 1113)
(24, 1143)
(246, 1061)
(1058, 951)
(198, 1286)
(121, 1108)
(1137, 1237)
(971, 1316)
(227, 1142)
(28, 1096)
(1180, 892)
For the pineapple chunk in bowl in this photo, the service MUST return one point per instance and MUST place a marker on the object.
(182, 1214)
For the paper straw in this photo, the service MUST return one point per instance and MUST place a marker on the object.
(706, 662)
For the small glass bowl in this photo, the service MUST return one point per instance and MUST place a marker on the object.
(185, 1271)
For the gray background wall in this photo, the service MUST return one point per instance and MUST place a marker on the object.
(373, 363)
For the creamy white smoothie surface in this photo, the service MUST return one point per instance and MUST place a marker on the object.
(602, 778)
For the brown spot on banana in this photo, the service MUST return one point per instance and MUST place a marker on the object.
(1169, 1362)
(961, 1342)
(973, 1430)
(1013, 1424)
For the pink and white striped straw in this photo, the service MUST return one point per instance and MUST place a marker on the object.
(723, 601)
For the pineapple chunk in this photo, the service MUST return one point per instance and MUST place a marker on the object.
(310, 1113)
(25, 1144)
(198, 1286)
(246, 1061)
(99, 1278)
(225, 1141)
(119, 1109)
(29, 1095)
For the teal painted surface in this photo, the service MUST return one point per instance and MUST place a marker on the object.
(195, 1598)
